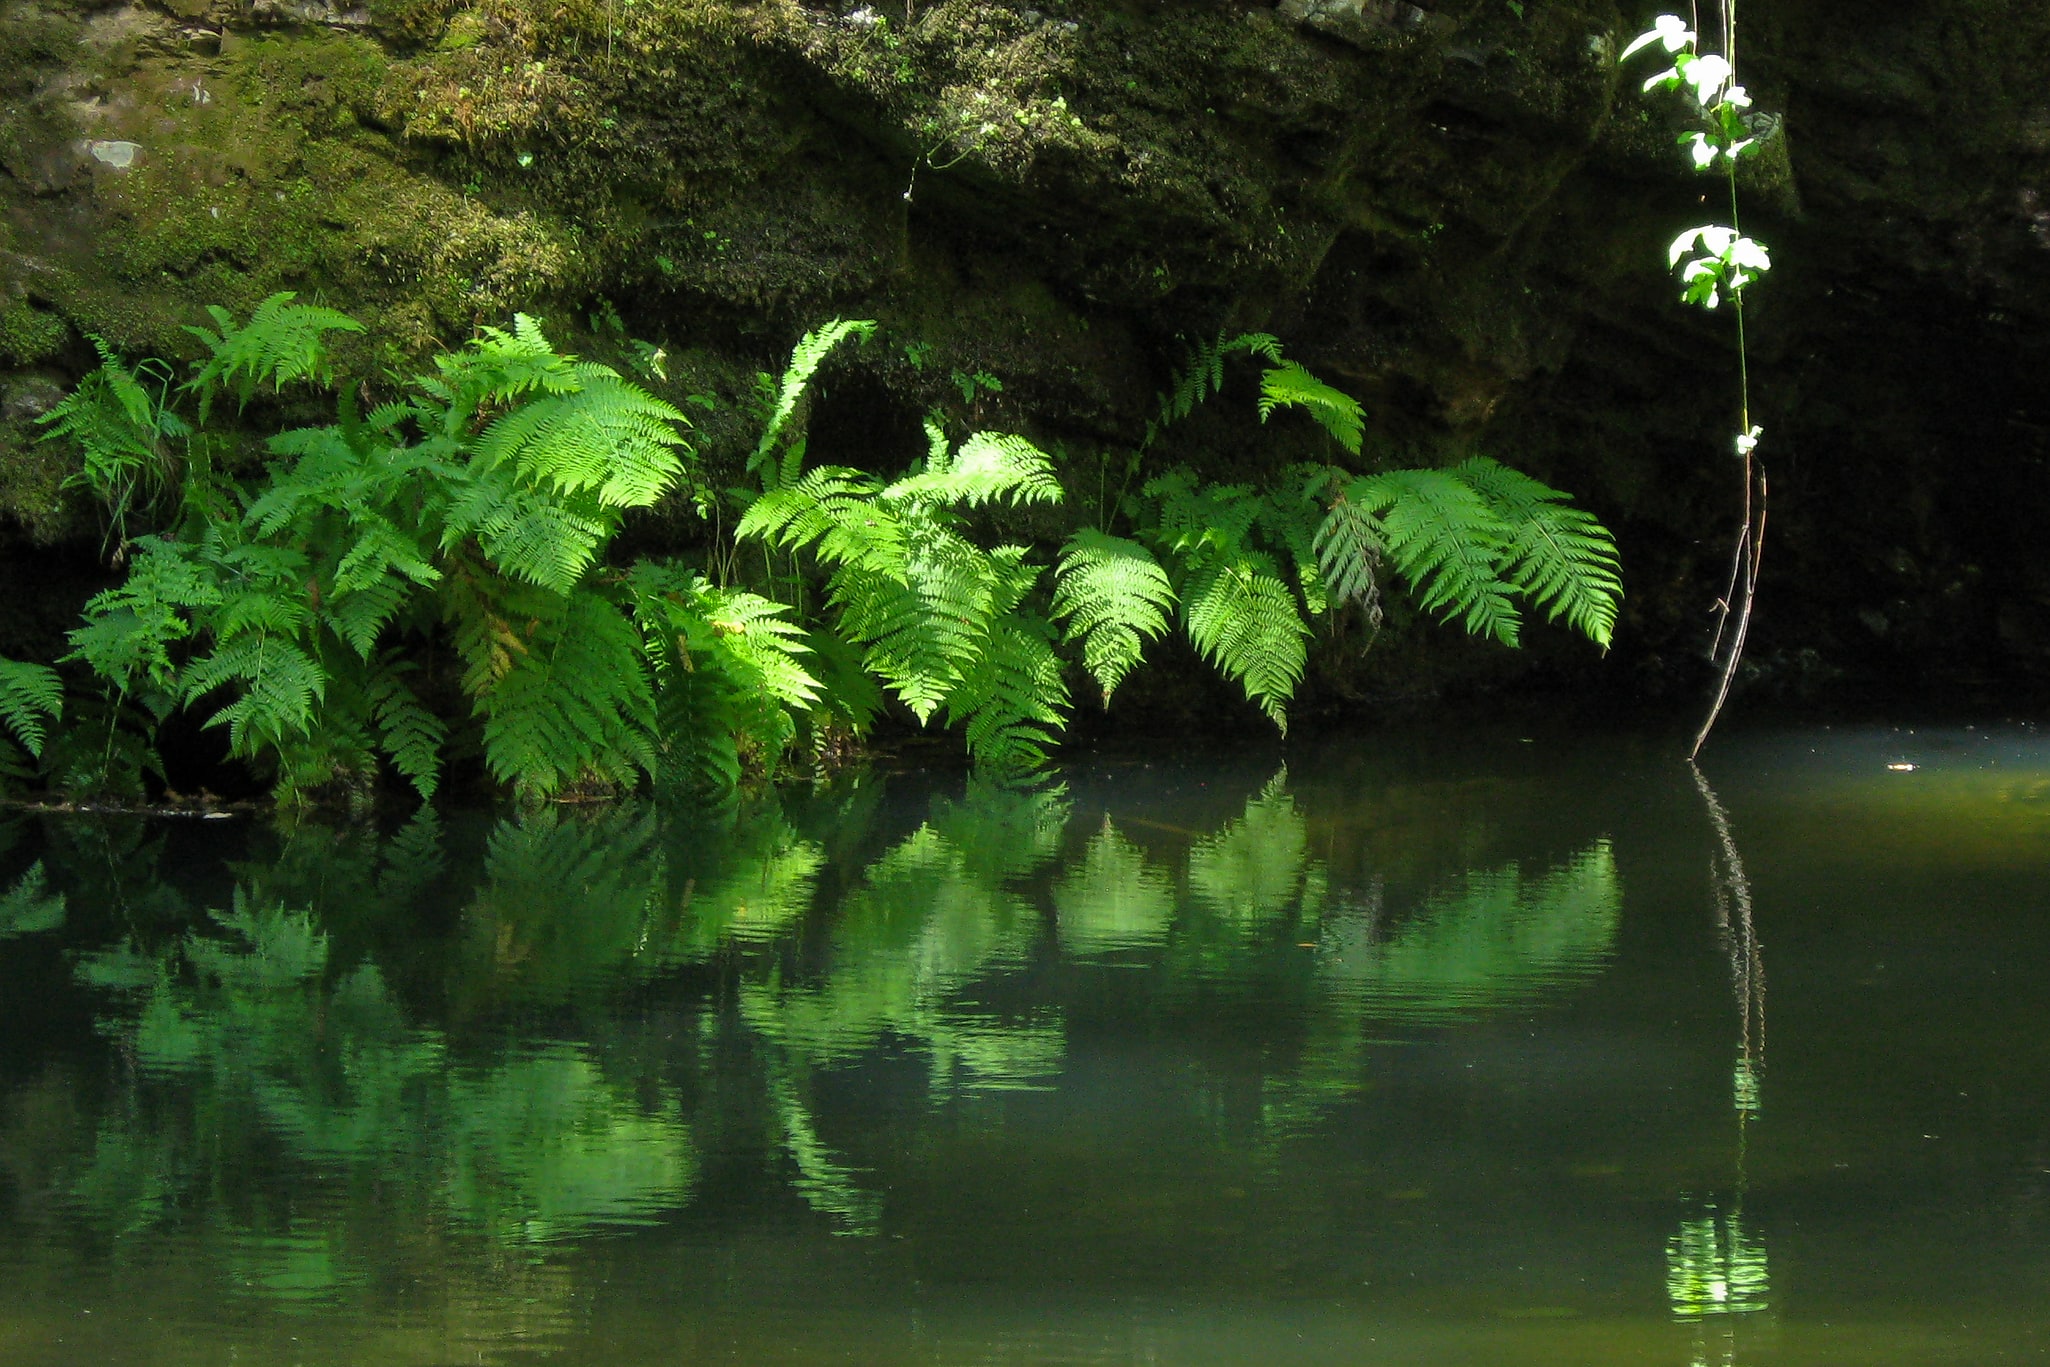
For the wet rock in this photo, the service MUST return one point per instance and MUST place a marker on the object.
(1369, 24)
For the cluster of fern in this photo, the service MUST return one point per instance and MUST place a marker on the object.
(950, 625)
(429, 579)
(423, 579)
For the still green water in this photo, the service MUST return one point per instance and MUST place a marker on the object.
(1427, 1048)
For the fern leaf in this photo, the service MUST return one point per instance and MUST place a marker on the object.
(1447, 542)
(988, 466)
(1558, 556)
(31, 697)
(576, 704)
(1013, 702)
(526, 535)
(281, 687)
(604, 436)
(1116, 598)
(810, 353)
(1347, 551)
(1242, 617)
(281, 342)
(1289, 385)
(410, 734)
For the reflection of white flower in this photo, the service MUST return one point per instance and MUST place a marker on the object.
(1714, 1266)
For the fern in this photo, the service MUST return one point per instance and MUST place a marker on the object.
(1447, 541)
(31, 699)
(410, 734)
(282, 342)
(1287, 385)
(1202, 375)
(809, 355)
(1116, 598)
(1473, 540)
(1011, 701)
(575, 707)
(1558, 556)
(917, 597)
(1238, 611)
(1242, 617)
(1348, 550)
(123, 431)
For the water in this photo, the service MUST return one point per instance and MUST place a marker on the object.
(1487, 1047)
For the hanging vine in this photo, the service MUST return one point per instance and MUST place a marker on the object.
(1716, 262)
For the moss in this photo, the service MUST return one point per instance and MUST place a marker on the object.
(29, 334)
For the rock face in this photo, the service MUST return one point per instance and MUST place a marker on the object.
(1456, 209)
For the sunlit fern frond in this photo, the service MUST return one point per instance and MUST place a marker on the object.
(1012, 703)
(604, 437)
(526, 534)
(810, 353)
(282, 342)
(987, 467)
(1447, 543)
(1245, 621)
(1289, 385)
(1115, 597)
(1558, 556)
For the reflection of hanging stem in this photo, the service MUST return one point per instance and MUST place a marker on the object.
(1716, 1266)
(1740, 942)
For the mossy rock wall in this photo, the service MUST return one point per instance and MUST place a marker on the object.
(1458, 209)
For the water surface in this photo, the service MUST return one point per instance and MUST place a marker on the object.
(1476, 1047)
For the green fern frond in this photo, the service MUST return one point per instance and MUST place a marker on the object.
(833, 508)
(281, 689)
(282, 342)
(575, 705)
(1245, 621)
(129, 630)
(603, 436)
(811, 352)
(1116, 598)
(1012, 703)
(527, 535)
(1447, 542)
(1348, 548)
(1202, 375)
(407, 732)
(1288, 385)
(120, 428)
(31, 697)
(1558, 556)
(988, 466)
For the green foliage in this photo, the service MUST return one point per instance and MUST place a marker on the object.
(120, 419)
(477, 504)
(1237, 608)
(781, 426)
(937, 617)
(281, 343)
(31, 698)
(1116, 598)
(1288, 385)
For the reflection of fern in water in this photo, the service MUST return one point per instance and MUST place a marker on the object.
(1500, 937)
(933, 915)
(256, 1021)
(1113, 900)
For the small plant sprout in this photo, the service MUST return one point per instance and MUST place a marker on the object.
(1716, 263)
